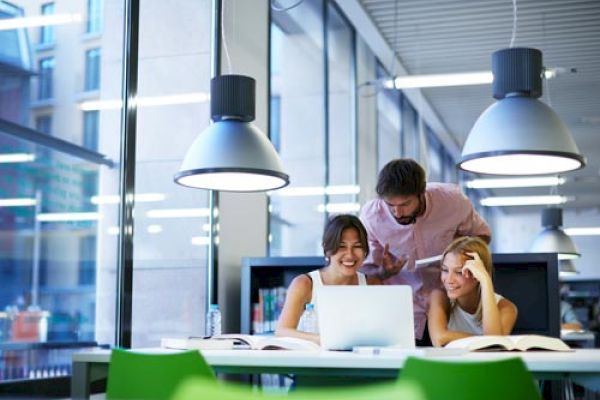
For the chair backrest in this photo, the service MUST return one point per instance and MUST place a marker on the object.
(502, 379)
(198, 388)
(152, 376)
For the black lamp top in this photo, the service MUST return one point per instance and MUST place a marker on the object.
(517, 70)
(552, 217)
(232, 97)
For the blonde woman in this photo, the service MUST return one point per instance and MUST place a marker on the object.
(468, 305)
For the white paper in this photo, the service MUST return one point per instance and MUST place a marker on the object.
(429, 260)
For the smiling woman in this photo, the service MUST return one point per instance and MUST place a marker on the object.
(468, 306)
(345, 246)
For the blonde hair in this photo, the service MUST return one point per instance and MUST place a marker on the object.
(471, 244)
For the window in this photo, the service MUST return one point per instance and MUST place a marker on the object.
(341, 157)
(45, 78)
(298, 82)
(94, 21)
(43, 124)
(47, 31)
(92, 70)
(90, 130)
(389, 123)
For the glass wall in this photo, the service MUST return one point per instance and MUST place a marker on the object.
(60, 188)
(171, 221)
(56, 256)
(341, 132)
(389, 123)
(298, 123)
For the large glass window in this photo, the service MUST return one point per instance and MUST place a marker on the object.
(389, 126)
(297, 81)
(92, 69)
(47, 31)
(342, 159)
(171, 221)
(58, 249)
(46, 78)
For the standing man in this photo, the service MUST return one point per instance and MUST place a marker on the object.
(412, 220)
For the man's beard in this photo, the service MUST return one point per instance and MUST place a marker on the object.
(408, 220)
(411, 219)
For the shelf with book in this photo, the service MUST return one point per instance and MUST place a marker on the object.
(263, 287)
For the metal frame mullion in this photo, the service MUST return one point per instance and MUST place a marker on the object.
(127, 175)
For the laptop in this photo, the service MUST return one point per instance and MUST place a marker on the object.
(351, 316)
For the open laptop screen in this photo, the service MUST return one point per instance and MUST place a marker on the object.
(352, 316)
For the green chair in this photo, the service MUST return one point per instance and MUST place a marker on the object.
(152, 376)
(503, 379)
(200, 388)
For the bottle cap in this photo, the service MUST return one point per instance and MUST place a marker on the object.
(309, 307)
(213, 307)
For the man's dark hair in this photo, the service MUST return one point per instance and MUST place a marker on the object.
(401, 177)
(332, 234)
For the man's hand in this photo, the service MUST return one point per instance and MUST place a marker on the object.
(391, 264)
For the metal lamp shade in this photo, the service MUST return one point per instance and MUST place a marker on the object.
(555, 240)
(520, 136)
(232, 155)
(567, 268)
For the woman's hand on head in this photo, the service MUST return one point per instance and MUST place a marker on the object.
(474, 267)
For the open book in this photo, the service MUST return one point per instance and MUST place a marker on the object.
(240, 341)
(514, 342)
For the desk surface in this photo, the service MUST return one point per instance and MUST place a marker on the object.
(582, 365)
(581, 360)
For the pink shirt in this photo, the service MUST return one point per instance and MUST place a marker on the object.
(449, 213)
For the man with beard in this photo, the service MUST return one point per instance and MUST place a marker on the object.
(412, 220)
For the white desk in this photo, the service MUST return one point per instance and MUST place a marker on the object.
(581, 366)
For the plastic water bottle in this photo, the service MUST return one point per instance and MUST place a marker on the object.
(309, 319)
(213, 320)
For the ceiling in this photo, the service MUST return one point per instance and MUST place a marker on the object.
(444, 36)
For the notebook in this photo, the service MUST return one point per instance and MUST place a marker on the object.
(351, 316)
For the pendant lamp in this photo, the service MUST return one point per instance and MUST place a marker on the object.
(567, 268)
(519, 134)
(553, 239)
(232, 154)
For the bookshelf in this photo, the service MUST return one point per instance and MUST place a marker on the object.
(264, 280)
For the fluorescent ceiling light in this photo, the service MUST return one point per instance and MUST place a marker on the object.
(16, 158)
(316, 190)
(184, 98)
(456, 79)
(139, 198)
(338, 207)
(154, 229)
(22, 202)
(591, 231)
(200, 240)
(41, 20)
(178, 213)
(515, 182)
(522, 200)
(67, 217)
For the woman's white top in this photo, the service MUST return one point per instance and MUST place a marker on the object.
(317, 283)
(460, 320)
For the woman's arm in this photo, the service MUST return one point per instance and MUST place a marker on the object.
(508, 315)
(298, 294)
(437, 320)
(491, 317)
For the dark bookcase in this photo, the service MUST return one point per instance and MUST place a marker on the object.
(268, 273)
